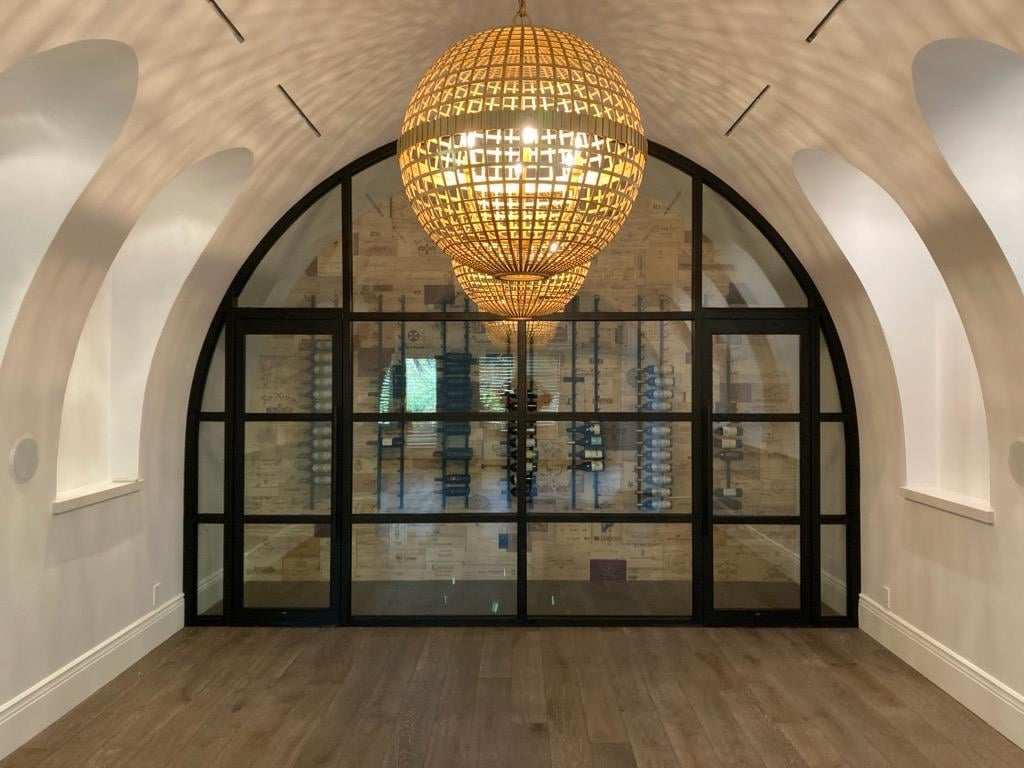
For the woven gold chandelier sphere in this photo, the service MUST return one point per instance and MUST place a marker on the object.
(502, 333)
(520, 300)
(522, 152)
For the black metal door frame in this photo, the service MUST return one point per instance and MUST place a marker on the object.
(704, 513)
(273, 323)
(238, 321)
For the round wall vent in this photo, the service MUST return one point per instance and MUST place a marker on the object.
(24, 459)
(1017, 461)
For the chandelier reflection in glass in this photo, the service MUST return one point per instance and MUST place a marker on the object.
(520, 300)
(502, 333)
(522, 151)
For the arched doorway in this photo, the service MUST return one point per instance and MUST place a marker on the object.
(689, 428)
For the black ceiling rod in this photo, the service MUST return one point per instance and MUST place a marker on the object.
(224, 17)
(746, 111)
(298, 109)
(824, 20)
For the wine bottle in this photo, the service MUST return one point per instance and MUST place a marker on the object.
(650, 467)
(591, 428)
(659, 394)
(457, 453)
(322, 357)
(658, 406)
(729, 430)
(591, 441)
(661, 381)
(658, 455)
(589, 453)
(321, 469)
(657, 430)
(455, 490)
(657, 442)
(391, 441)
(455, 428)
(729, 455)
(657, 493)
(513, 439)
(658, 480)
(728, 442)
(453, 479)
(589, 466)
(321, 455)
(322, 444)
(658, 505)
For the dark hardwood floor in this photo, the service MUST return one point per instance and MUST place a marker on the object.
(604, 698)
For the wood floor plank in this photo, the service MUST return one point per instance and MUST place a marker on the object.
(567, 725)
(415, 720)
(496, 657)
(527, 695)
(373, 734)
(635, 697)
(660, 648)
(451, 742)
(600, 708)
(651, 747)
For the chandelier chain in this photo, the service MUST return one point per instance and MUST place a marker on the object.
(522, 16)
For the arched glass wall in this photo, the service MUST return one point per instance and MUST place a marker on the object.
(687, 425)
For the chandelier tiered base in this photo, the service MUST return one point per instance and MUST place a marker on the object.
(502, 333)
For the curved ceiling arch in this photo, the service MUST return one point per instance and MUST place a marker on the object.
(944, 427)
(60, 113)
(971, 93)
(102, 414)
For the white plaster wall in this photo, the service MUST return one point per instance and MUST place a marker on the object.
(946, 438)
(85, 423)
(971, 92)
(60, 112)
(145, 280)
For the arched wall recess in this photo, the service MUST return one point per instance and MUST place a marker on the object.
(112, 361)
(971, 93)
(60, 113)
(945, 431)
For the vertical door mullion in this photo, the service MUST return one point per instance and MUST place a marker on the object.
(808, 498)
(341, 474)
(521, 499)
(814, 449)
(234, 437)
(708, 330)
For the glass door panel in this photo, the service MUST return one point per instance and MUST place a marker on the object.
(286, 557)
(756, 515)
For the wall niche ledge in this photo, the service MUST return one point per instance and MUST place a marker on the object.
(958, 504)
(79, 498)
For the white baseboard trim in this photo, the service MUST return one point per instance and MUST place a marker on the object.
(47, 701)
(994, 702)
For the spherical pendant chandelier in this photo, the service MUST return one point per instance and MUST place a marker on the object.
(502, 333)
(522, 151)
(520, 300)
